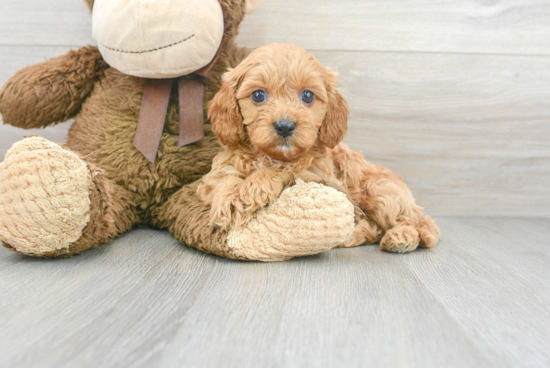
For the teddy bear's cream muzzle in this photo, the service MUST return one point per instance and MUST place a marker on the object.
(158, 39)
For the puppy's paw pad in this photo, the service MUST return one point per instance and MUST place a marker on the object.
(400, 239)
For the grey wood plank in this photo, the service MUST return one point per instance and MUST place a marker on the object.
(46, 23)
(346, 308)
(107, 307)
(478, 299)
(511, 26)
(493, 277)
(471, 26)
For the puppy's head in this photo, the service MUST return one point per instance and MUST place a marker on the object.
(280, 101)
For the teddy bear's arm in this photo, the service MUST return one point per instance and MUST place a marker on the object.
(51, 92)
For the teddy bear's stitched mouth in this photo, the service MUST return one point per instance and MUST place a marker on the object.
(151, 50)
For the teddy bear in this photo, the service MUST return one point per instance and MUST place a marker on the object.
(140, 142)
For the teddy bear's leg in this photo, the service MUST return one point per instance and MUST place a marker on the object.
(53, 203)
(307, 218)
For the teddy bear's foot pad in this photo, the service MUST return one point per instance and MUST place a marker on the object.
(307, 218)
(44, 197)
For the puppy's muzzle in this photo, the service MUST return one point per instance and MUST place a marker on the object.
(284, 128)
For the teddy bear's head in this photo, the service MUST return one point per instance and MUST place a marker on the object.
(165, 39)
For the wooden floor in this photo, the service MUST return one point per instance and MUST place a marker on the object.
(479, 299)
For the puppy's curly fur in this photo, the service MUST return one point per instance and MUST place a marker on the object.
(258, 163)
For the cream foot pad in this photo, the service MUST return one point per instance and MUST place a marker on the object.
(44, 197)
(308, 218)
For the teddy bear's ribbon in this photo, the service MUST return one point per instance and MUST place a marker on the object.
(154, 107)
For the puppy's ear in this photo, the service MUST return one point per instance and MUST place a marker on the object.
(335, 126)
(227, 123)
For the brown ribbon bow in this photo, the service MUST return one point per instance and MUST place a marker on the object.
(154, 107)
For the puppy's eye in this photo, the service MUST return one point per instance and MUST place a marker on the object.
(259, 96)
(308, 97)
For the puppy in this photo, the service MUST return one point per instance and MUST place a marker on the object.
(280, 118)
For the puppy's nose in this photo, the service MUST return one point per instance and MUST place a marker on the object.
(285, 128)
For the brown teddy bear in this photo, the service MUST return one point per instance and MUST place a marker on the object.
(116, 172)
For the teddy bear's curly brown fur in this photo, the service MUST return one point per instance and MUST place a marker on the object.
(126, 189)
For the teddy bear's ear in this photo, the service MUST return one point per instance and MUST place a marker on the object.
(90, 4)
(252, 5)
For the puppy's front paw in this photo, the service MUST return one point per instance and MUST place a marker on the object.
(260, 190)
(227, 212)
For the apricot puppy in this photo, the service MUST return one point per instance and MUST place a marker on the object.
(280, 118)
